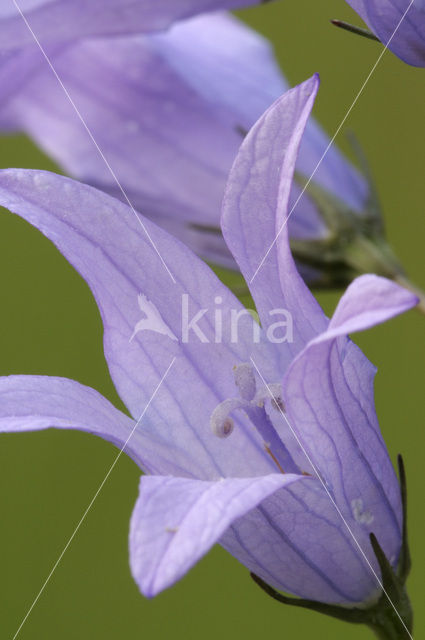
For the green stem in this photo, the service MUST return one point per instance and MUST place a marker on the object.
(390, 628)
(388, 634)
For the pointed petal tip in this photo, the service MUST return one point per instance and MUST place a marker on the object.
(150, 590)
(368, 301)
(398, 294)
(311, 86)
(316, 77)
(153, 586)
(313, 81)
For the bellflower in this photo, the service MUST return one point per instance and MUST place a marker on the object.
(169, 113)
(383, 17)
(269, 446)
(65, 20)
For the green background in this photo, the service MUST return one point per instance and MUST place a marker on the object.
(50, 325)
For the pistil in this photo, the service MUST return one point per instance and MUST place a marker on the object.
(252, 403)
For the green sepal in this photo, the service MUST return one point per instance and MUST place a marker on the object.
(352, 614)
(405, 561)
(354, 242)
(360, 31)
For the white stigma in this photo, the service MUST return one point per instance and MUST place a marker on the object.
(245, 380)
(221, 423)
(223, 428)
(226, 428)
(250, 400)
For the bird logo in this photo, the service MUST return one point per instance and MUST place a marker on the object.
(153, 320)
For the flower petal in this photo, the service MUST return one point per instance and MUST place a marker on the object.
(255, 208)
(177, 520)
(168, 147)
(368, 301)
(328, 395)
(168, 122)
(383, 17)
(297, 542)
(17, 69)
(332, 172)
(146, 314)
(169, 135)
(244, 77)
(242, 71)
(29, 403)
(61, 21)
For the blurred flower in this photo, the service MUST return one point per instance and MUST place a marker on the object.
(63, 20)
(299, 475)
(169, 113)
(383, 18)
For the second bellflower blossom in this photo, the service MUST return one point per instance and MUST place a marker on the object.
(384, 17)
(260, 492)
(59, 21)
(169, 112)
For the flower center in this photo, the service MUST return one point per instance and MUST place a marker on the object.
(251, 402)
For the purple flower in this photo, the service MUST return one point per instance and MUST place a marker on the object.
(384, 16)
(63, 20)
(169, 113)
(299, 469)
